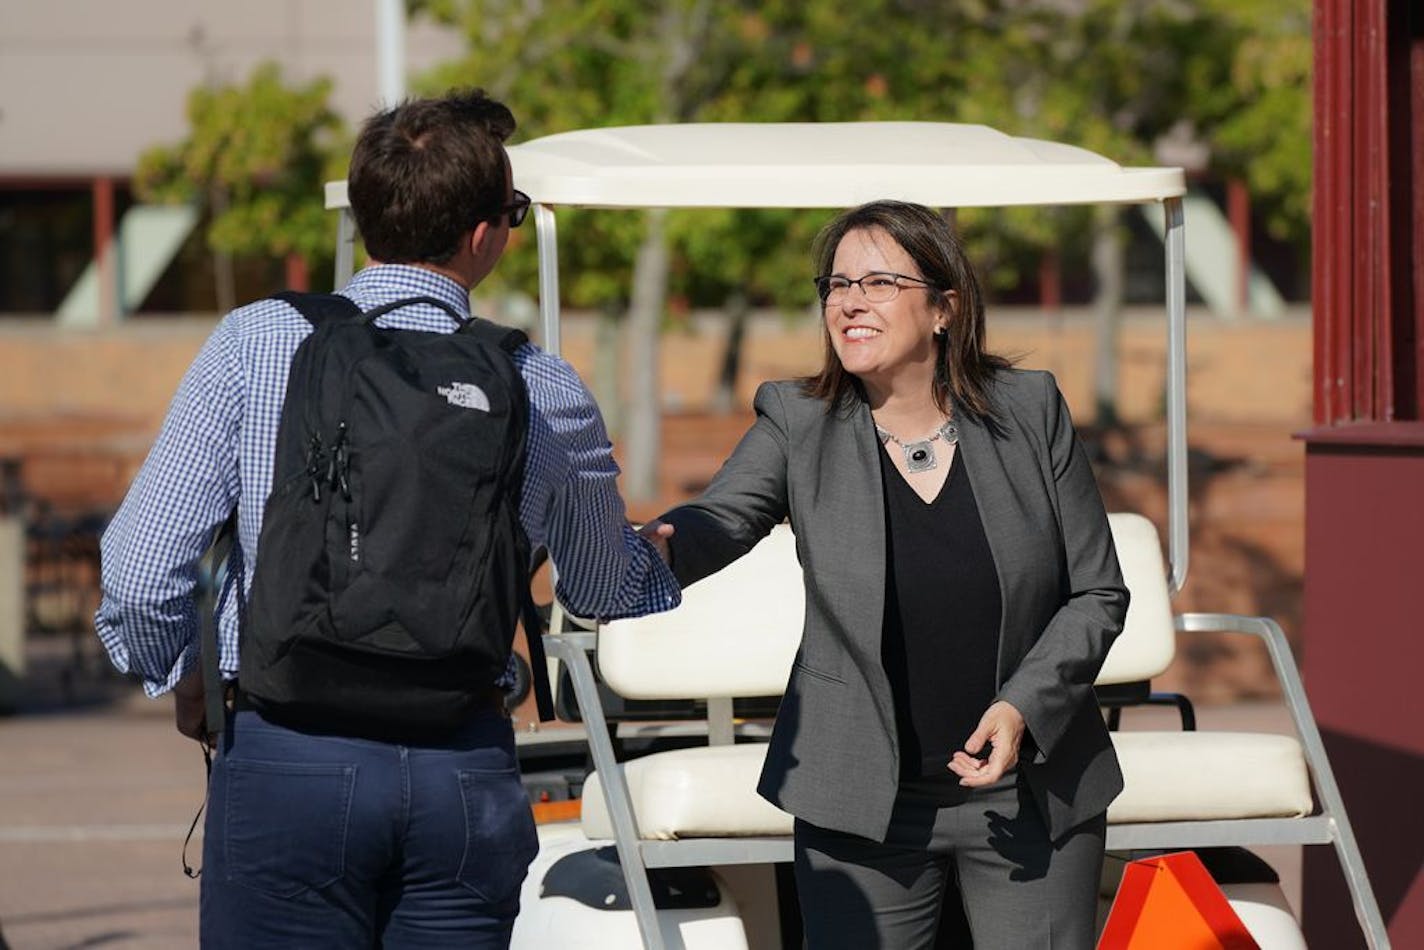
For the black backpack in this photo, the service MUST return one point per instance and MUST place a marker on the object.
(392, 565)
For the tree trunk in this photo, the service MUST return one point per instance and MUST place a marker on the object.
(650, 278)
(680, 41)
(606, 388)
(1109, 266)
(224, 282)
(737, 310)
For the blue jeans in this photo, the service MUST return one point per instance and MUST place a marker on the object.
(324, 841)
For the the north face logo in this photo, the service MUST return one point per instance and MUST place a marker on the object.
(465, 395)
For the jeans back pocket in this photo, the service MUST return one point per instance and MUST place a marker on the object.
(500, 836)
(285, 824)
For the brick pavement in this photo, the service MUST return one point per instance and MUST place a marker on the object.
(94, 803)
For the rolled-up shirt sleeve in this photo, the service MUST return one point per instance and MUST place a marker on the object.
(571, 504)
(147, 618)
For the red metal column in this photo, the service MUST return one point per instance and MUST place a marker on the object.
(1371, 363)
(297, 276)
(1238, 208)
(104, 263)
(1050, 283)
(1365, 458)
(1406, 32)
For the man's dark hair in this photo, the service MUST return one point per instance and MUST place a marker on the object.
(426, 172)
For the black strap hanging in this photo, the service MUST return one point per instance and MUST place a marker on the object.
(538, 665)
(209, 643)
(209, 648)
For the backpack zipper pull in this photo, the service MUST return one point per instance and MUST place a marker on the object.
(340, 470)
(314, 455)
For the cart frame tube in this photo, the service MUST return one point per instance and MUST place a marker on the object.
(546, 233)
(345, 248)
(1178, 531)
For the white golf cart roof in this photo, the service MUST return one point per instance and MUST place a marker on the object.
(817, 165)
(839, 165)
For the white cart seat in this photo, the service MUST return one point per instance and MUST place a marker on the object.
(710, 792)
(1207, 776)
(702, 792)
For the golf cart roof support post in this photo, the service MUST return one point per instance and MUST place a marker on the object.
(345, 247)
(1178, 538)
(547, 236)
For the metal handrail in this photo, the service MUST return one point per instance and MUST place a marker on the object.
(1347, 849)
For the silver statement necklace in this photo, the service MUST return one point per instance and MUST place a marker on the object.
(920, 456)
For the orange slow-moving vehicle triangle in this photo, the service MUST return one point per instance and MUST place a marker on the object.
(1171, 903)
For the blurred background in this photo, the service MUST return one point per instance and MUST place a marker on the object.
(161, 162)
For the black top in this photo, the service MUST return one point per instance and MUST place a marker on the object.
(940, 642)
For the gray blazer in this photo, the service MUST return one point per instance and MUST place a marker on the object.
(834, 757)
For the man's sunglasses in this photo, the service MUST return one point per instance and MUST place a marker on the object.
(517, 209)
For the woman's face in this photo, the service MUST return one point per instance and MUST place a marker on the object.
(883, 343)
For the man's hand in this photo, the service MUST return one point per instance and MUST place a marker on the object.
(188, 706)
(657, 532)
(1002, 727)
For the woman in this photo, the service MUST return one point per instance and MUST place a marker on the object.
(962, 590)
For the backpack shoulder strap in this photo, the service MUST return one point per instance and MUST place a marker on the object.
(538, 664)
(487, 331)
(509, 339)
(319, 308)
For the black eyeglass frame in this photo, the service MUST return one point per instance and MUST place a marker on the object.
(823, 284)
(517, 209)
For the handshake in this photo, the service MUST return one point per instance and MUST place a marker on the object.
(657, 533)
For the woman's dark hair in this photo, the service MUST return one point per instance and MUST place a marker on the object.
(426, 172)
(964, 368)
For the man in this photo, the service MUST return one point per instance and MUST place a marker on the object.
(321, 840)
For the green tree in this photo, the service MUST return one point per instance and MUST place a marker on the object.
(1259, 121)
(1110, 75)
(577, 63)
(255, 158)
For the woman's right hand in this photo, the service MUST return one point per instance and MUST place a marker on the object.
(1002, 729)
(657, 533)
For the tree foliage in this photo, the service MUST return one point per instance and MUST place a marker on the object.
(1110, 75)
(1260, 126)
(1114, 76)
(256, 157)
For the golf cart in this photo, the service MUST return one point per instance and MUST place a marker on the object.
(674, 848)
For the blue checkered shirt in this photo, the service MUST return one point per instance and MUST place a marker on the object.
(215, 453)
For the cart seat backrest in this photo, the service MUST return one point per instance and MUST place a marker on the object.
(735, 633)
(1148, 641)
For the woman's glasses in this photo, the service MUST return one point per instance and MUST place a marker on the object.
(878, 286)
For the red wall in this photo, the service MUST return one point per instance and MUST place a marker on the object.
(1363, 656)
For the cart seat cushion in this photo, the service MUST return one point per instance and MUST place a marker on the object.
(703, 792)
(1205, 776)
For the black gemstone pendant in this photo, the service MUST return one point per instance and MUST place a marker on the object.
(919, 456)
